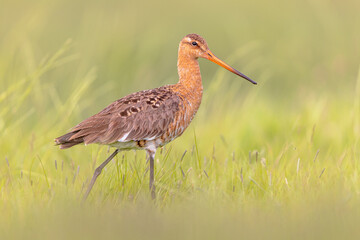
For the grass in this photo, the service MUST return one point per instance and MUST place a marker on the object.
(279, 160)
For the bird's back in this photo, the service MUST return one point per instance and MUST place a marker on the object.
(158, 115)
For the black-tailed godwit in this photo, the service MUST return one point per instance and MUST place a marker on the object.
(152, 118)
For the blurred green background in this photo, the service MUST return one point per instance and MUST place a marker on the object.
(276, 160)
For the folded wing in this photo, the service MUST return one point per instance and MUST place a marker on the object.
(144, 115)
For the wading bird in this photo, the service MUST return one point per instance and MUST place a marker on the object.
(152, 118)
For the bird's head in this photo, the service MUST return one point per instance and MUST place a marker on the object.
(194, 46)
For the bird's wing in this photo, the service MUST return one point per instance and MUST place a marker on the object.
(143, 115)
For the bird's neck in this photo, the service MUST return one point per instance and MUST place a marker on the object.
(189, 73)
(189, 86)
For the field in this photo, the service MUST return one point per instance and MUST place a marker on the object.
(279, 160)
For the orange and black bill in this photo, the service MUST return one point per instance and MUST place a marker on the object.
(213, 58)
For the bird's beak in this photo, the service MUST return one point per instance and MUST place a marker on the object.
(210, 56)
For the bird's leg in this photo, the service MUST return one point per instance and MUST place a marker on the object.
(151, 154)
(97, 173)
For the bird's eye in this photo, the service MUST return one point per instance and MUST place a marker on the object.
(194, 43)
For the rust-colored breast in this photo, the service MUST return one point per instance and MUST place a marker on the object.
(189, 104)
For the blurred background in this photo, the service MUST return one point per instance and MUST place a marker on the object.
(62, 61)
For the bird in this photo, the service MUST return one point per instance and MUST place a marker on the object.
(149, 119)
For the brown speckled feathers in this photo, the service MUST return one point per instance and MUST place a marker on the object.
(139, 116)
